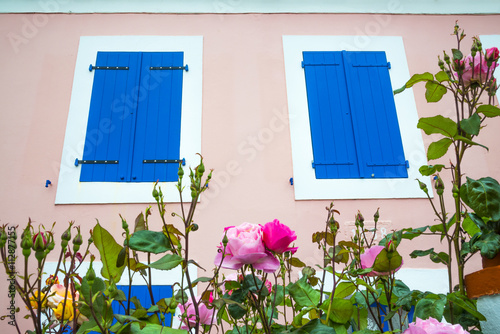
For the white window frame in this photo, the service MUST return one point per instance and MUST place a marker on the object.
(306, 186)
(69, 188)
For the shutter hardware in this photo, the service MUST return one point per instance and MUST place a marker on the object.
(85, 162)
(406, 163)
(91, 67)
(170, 68)
(314, 164)
(163, 161)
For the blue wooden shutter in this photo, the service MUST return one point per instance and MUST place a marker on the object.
(142, 293)
(330, 116)
(158, 129)
(377, 135)
(110, 123)
(354, 127)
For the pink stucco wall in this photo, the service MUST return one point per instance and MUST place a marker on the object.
(243, 91)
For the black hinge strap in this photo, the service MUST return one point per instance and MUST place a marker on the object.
(170, 68)
(91, 67)
(165, 161)
(89, 162)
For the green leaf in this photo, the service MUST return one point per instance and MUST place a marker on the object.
(344, 289)
(168, 262)
(431, 169)
(466, 304)
(482, 196)
(427, 308)
(442, 76)
(201, 279)
(440, 257)
(314, 327)
(471, 125)
(457, 54)
(140, 224)
(87, 326)
(470, 142)
(387, 261)
(303, 294)
(340, 310)
(438, 148)
(470, 226)
(135, 328)
(419, 78)
(434, 91)
(108, 251)
(488, 244)
(149, 241)
(418, 253)
(295, 262)
(438, 124)
(488, 110)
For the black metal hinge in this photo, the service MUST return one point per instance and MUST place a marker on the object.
(165, 161)
(91, 67)
(170, 68)
(89, 162)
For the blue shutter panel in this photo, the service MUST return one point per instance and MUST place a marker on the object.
(157, 134)
(142, 294)
(354, 126)
(110, 125)
(330, 116)
(377, 135)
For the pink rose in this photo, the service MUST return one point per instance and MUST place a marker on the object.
(492, 54)
(206, 314)
(432, 326)
(368, 259)
(476, 69)
(245, 246)
(277, 237)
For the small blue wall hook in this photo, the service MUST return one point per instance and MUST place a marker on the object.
(47, 183)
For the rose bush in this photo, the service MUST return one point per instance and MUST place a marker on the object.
(245, 246)
(432, 326)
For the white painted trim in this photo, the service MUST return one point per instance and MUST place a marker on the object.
(432, 280)
(252, 6)
(306, 186)
(69, 189)
(490, 41)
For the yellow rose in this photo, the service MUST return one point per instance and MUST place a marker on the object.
(34, 301)
(68, 312)
(57, 293)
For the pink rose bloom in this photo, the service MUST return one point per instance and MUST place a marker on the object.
(492, 54)
(479, 66)
(206, 315)
(245, 246)
(432, 326)
(277, 237)
(368, 259)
